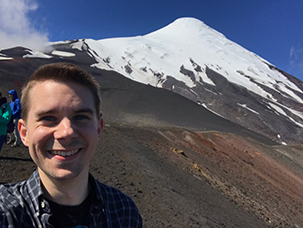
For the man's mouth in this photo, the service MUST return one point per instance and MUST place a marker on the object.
(64, 153)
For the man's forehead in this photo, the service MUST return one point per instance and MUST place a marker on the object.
(51, 84)
(58, 92)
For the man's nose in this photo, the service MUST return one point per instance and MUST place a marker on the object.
(65, 129)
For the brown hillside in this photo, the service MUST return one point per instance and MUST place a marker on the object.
(181, 178)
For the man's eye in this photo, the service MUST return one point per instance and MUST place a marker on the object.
(47, 118)
(81, 117)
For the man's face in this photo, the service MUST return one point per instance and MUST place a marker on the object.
(62, 129)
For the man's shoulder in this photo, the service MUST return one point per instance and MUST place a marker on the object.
(11, 187)
(15, 193)
(11, 203)
(15, 205)
(113, 196)
(109, 191)
(120, 207)
(10, 194)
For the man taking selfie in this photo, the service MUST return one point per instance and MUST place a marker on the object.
(61, 124)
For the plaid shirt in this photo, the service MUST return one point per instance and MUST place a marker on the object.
(23, 205)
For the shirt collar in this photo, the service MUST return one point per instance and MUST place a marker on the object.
(96, 186)
(36, 193)
(34, 188)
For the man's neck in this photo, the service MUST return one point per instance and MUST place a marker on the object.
(65, 192)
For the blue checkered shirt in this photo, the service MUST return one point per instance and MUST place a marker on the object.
(23, 205)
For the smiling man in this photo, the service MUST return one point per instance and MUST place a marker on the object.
(61, 125)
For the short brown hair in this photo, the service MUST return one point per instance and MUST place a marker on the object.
(61, 72)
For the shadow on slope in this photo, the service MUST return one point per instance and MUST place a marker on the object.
(133, 103)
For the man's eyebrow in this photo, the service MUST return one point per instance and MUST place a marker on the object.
(86, 110)
(53, 111)
(45, 112)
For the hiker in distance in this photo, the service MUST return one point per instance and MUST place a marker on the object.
(5, 116)
(15, 105)
(61, 124)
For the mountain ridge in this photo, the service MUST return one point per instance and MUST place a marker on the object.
(201, 64)
(259, 76)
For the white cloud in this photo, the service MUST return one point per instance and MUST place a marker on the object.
(16, 28)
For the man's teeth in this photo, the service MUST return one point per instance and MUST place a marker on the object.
(64, 153)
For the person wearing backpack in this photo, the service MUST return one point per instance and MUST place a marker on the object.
(15, 105)
(5, 116)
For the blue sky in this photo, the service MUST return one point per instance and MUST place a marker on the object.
(272, 29)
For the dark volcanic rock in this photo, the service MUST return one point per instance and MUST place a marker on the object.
(179, 178)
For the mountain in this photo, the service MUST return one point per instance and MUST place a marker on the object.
(193, 60)
(201, 64)
(191, 126)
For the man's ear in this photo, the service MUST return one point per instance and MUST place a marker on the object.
(23, 132)
(100, 128)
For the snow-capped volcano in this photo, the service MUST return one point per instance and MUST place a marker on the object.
(190, 44)
(194, 60)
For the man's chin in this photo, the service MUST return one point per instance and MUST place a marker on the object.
(63, 174)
